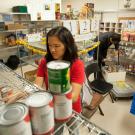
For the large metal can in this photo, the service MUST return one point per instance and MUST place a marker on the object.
(41, 112)
(58, 76)
(14, 120)
(63, 106)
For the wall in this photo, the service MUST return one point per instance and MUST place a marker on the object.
(76, 4)
(6, 6)
(100, 5)
(103, 5)
(34, 7)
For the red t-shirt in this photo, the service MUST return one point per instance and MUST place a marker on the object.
(76, 76)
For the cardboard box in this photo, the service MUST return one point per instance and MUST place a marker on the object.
(14, 26)
(114, 76)
(2, 26)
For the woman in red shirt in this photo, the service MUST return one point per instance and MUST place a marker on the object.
(61, 46)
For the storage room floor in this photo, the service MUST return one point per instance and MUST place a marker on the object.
(117, 119)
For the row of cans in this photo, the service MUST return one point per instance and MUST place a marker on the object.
(40, 112)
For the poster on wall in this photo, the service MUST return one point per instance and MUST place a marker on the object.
(94, 25)
(71, 25)
(44, 10)
(57, 11)
(84, 26)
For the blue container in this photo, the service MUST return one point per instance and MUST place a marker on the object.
(91, 53)
(132, 110)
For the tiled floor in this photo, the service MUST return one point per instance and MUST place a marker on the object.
(117, 119)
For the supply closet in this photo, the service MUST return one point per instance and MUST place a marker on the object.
(23, 35)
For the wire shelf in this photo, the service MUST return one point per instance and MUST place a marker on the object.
(82, 124)
(77, 122)
(13, 80)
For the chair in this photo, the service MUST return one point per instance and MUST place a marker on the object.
(97, 85)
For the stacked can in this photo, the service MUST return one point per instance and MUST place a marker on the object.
(41, 112)
(59, 85)
(14, 119)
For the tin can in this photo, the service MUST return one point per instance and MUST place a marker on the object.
(58, 76)
(63, 106)
(6, 91)
(41, 113)
(14, 119)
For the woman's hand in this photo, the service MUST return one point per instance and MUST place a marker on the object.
(14, 97)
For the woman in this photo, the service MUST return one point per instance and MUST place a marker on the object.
(61, 46)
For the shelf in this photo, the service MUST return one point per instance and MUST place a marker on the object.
(124, 59)
(84, 126)
(31, 59)
(6, 31)
(17, 13)
(11, 79)
(115, 11)
(83, 37)
(4, 47)
(127, 44)
(37, 45)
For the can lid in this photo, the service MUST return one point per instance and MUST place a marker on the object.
(13, 113)
(39, 99)
(58, 64)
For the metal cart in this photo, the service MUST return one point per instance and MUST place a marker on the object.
(85, 127)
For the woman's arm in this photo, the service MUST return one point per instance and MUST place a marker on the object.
(76, 90)
(77, 79)
(39, 81)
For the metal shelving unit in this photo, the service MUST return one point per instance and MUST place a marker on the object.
(13, 80)
(84, 126)
(126, 60)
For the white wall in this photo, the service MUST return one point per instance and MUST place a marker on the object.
(103, 5)
(6, 5)
(34, 7)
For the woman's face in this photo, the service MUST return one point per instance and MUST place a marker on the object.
(56, 48)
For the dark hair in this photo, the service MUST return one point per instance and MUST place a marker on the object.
(116, 37)
(65, 36)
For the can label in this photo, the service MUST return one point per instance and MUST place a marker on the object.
(42, 120)
(22, 128)
(63, 106)
(58, 77)
(6, 91)
(10, 125)
(41, 112)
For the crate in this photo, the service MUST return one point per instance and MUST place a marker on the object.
(30, 75)
(114, 76)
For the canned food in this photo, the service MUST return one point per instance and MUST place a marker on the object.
(6, 91)
(63, 106)
(14, 119)
(41, 112)
(58, 76)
